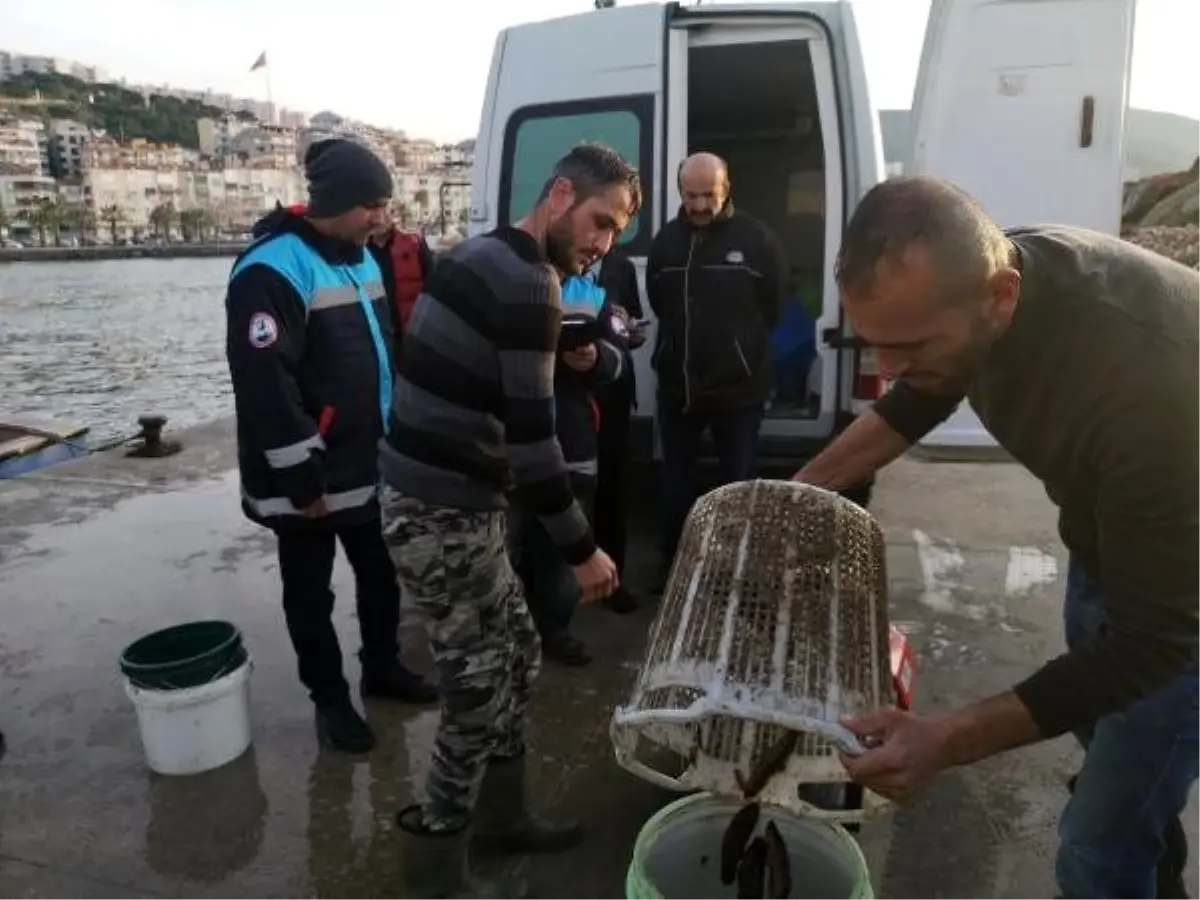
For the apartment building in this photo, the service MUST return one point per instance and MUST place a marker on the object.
(13, 65)
(264, 146)
(22, 146)
(65, 141)
(239, 196)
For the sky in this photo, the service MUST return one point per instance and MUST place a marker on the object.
(422, 66)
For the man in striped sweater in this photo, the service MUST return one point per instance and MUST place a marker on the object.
(473, 417)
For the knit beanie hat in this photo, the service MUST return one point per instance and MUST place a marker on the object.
(343, 174)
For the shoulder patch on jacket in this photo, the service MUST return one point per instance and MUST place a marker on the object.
(264, 330)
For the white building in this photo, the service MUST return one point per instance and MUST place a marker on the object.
(431, 198)
(13, 65)
(20, 196)
(268, 146)
(22, 146)
(239, 196)
(215, 136)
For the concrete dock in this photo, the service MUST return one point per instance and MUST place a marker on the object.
(97, 553)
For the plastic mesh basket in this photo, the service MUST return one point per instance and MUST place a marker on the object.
(774, 619)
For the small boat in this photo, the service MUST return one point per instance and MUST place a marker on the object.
(29, 444)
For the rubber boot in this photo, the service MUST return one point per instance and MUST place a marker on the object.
(438, 864)
(503, 821)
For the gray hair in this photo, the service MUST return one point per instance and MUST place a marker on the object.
(967, 246)
(592, 169)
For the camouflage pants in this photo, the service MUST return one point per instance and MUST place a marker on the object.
(453, 563)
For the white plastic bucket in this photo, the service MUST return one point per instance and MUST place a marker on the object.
(678, 853)
(195, 729)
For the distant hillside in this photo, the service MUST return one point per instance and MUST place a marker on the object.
(116, 109)
(1155, 142)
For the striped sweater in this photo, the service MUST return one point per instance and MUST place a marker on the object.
(474, 396)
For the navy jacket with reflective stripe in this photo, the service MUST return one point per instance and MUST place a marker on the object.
(309, 348)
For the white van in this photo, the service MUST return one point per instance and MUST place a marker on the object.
(1022, 103)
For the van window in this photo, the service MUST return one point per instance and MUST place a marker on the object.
(538, 136)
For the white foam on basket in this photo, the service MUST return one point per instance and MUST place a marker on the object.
(718, 549)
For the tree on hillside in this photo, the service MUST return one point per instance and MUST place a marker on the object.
(116, 109)
(113, 216)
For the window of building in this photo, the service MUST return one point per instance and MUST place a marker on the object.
(538, 136)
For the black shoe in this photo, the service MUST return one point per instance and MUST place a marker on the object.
(621, 601)
(340, 726)
(569, 651)
(397, 683)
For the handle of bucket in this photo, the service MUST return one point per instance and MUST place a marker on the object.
(634, 766)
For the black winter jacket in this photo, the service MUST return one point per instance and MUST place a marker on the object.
(575, 409)
(309, 338)
(618, 277)
(716, 292)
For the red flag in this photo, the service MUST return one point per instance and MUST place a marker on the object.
(260, 62)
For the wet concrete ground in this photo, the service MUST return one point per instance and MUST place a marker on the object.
(96, 554)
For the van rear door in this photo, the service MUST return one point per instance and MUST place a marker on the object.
(597, 76)
(1023, 104)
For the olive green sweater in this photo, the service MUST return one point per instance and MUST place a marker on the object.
(1094, 390)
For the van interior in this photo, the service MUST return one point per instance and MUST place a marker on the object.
(755, 105)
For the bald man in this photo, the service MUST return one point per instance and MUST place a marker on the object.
(1079, 353)
(715, 281)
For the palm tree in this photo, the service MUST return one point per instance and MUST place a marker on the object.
(162, 217)
(48, 216)
(113, 216)
(189, 224)
(80, 218)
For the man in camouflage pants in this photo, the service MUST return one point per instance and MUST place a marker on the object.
(487, 648)
(474, 417)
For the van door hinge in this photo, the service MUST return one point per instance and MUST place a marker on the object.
(833, 337)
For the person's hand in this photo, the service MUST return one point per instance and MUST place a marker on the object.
(905, 752)
(621, 313)
(316, 509)
(637, 335)
(597, 577)
(582, 359)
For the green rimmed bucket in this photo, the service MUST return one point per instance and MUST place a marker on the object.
(678, 853)
(184, 656)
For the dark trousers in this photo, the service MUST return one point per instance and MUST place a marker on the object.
(735, 434)
(550, 586)
(306, 567)
(610, 508)
(1139, 766)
